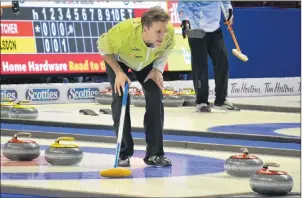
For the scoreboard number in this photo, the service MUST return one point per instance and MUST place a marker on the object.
(82, 14)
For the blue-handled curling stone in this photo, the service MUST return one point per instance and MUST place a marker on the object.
(6, 100)
(5, 108)
(21, 150)
(271, 182)
(63, 154)
(242, 165)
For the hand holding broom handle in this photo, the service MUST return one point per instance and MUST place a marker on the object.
(233, 35)
(237, 52)
(14, 5)
(121, 124)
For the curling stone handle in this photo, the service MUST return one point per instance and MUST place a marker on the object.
(23, 102)
(244, 150)
(266, 165)
(23, 134)
(65, 139)
(6, 99)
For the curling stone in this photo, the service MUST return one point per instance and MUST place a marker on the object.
(5, 107)
(172, 100)
(63, 154)
(188, 94)
(242, 165)
(19, 111)
(21, 150)
(104, 97)
(271, 182)
(133, 91)
(138, 99)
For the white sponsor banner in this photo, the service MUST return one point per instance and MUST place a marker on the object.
(53, 93)
(86, 92)
(249, 87)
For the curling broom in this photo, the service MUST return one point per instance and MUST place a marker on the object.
(237, 52)
(6, 6)
(14, 5)
(117, 171)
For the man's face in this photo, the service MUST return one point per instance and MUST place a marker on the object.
(156, 32)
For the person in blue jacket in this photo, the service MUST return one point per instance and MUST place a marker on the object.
(201, 24)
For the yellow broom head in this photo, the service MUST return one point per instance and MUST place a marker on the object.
(239, 55)
(116, 172)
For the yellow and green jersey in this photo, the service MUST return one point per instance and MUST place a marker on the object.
(125, 42)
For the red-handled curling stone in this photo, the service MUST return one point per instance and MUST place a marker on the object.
(271, 182)
(104, 97)
(242, 165)
(138, 98)
(21, 150)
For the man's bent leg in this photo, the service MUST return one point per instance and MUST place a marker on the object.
(127, 141)
(153, 120)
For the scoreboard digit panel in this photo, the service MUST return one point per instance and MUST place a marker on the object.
(70, 30)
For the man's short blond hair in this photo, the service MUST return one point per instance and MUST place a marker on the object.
(154, 14)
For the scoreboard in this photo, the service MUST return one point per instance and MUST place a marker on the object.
(61, 36)
(64, 30)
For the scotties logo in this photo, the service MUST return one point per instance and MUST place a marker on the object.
(42, 94)
(9, 93)
(82, 93)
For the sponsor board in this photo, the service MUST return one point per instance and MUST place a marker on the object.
(42, 94)
(50, 64)
(85, 93)
(250, 87)
(180, 57)
(172, 10)
(82, 93)
(9, 93)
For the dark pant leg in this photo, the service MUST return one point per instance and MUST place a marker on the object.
(154, 115)
(219, 56)
(116, 106)
(199, 62)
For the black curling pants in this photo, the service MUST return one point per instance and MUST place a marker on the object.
(213, 45)
(154, 115)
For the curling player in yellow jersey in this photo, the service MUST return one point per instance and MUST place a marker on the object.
(143, 45)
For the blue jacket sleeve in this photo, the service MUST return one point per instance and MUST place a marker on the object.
(227, 5)
(183, 10)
